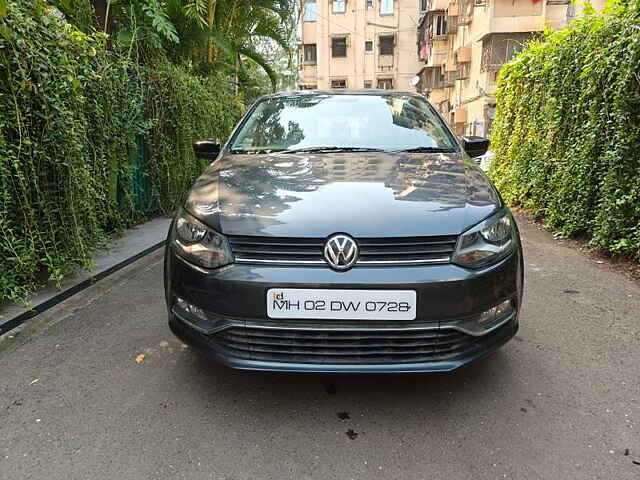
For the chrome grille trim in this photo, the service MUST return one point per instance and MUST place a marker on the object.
(443, 259)
(382, 252)
(279, 262)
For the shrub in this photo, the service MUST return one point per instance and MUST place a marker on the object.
(73, 116)
(184, 107)
(567, 129)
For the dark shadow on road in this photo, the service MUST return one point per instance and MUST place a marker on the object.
(278, 393)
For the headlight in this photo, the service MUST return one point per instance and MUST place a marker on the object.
(198, 243)
(487, 242)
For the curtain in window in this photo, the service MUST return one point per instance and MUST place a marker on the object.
(386, 7)
(310, 11)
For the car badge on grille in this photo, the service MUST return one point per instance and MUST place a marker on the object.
(341, 252)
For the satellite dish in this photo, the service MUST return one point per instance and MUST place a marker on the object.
(415, 81)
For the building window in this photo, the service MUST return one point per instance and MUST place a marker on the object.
(339, 47)
(439, 25)
(338, 83)
(386, 45)
(310, 11)
(310, 53)
(500, 48)
(308, 87)
(368, 4)
(386, 7)
(424, 4)
(462, 72)
(385, 83)
(367, 84)
(339, 6)
(368, 46)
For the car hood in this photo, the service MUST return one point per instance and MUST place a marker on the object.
(376, 194)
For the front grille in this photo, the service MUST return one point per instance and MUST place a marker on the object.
(373, 251)
(277, 250)
(344, 347)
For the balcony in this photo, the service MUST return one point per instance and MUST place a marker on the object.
(440, 45)
(438, 95)
(487, 81)
(465, 12)
(431, 78)
(462, 71)
(460, 115)
(521, 21)
(452, 25)
(500, 48)
(437, 5)
(449, 65)
(450, 78)
(433, 38)
(436, 52)
(385, 61)
(463, 54)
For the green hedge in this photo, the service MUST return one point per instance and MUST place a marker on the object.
(70, 115)
(567, 129)
(185, 107)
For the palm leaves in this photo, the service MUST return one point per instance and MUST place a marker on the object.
(159, 20)
(229, 29)
(215, 34)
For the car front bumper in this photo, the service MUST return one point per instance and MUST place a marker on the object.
(232, 325)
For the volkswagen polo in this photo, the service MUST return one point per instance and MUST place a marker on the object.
(343, 232)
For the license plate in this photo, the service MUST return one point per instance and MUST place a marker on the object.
(341, 304)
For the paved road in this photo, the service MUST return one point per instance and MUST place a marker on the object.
(561, 401)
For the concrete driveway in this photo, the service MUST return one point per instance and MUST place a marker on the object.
(560, 401)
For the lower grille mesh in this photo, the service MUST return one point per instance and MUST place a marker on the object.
(324, 346)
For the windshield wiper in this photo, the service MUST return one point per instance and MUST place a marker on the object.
(243, 151)
(423, 150)
(329, 149)
(342, 149)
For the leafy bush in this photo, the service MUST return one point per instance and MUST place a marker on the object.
(567, 129)
(186, 107)
(70, 113)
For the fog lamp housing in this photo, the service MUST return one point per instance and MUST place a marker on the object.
(487, 321)
(494, 313)
(196, 316)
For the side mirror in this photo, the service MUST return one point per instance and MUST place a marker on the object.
(207, 149)
(475, 146)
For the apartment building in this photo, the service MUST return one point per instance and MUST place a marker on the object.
(462, 44)
(358, 44)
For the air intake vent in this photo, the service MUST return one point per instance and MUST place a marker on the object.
(367, 347)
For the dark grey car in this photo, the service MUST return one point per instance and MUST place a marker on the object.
(344, 232)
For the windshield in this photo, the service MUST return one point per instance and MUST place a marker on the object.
(381, 122)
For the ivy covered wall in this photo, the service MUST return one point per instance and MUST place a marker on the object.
(74, 118)
(567, 129)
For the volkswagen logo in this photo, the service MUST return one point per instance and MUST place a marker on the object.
(341, 252)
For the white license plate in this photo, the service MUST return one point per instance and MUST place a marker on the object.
(341, 304)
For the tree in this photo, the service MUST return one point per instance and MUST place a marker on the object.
(232, 29)
(219, 35)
